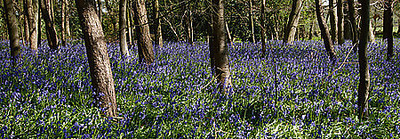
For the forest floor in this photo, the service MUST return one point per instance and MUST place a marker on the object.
(295, 91)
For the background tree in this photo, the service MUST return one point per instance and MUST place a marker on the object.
(12, 25)
(99, 62)
(33, 23)
(219, 50)
(122, 29)
(293, 21)
(145, 46)
(48, 18)
(353, 23)
(263, 49)
(333, 19)
(340, 23)
(324, 32)
(388, 27)
(158, 32)
(253, 39)
(364, 84)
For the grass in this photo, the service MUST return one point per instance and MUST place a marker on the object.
(295, 91)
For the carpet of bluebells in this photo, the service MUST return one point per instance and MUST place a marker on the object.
(295, 91)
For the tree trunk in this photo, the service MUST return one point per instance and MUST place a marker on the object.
(26, 22)
(63, 22)
(310, 34)
(100, 11)
(219, 49)
(340, 22)
(294, 17)
(33, 24)
(49, 24)
(371, 37)
(388, 27)
(253, 39)
(122, 29)
(364, 84)
(353, 23)
(39, 41)
(263, 49)
(158, 32)
(99, 62)
(12, 25)
(333, 20)
(145, 47)
(348, 33)
(67, 29)
(325, 32)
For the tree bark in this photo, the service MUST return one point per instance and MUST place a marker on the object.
(371, 37)
(263, 49)
(388, 27)
(39, 38)
(364, 84)
(158, 32)
(49, 24)
(253, 39)
(333, 20)
(63, 22)
(67, 12)
(145, 47)
(33, 24)
(325, 32)
(122, 29)
(26, 22)
(219, 49)
(99, 62)
(294, 17)
(340, 22)
(100, 11)
(353, 23)
(310, 34)
(12, 26)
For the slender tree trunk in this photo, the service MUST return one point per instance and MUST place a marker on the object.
(253, 39)
(39, 41)
(145, 47)
(348, 31)
(49, 23)
(26, 23)
(263, 49)
(63, 22)
(67, 12)
(158, 32)
(364, 84)
(371, 36)
(353, 22)
(340, 22)
(310, 34)
(388, 27)
(122, 29)
(228, 34)
(99, 62)
(33, 24)
(12, 25)
(294, 17)
(333, 20)
(218, 46)
(325, 32)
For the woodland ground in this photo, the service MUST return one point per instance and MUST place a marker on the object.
(295, 91)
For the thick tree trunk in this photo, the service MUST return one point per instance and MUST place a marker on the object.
(263, 49)
(325, 32)
(145, 47)
(364, 84)
(12, 26)
(158, 32)
(99, 62)
(294, 17)
(219, 49)
(49, 24)
(333, 19)
(353, 22)
(253, 39)
(122, 29)
(388, 27)
(33, 24)
(340, 22)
